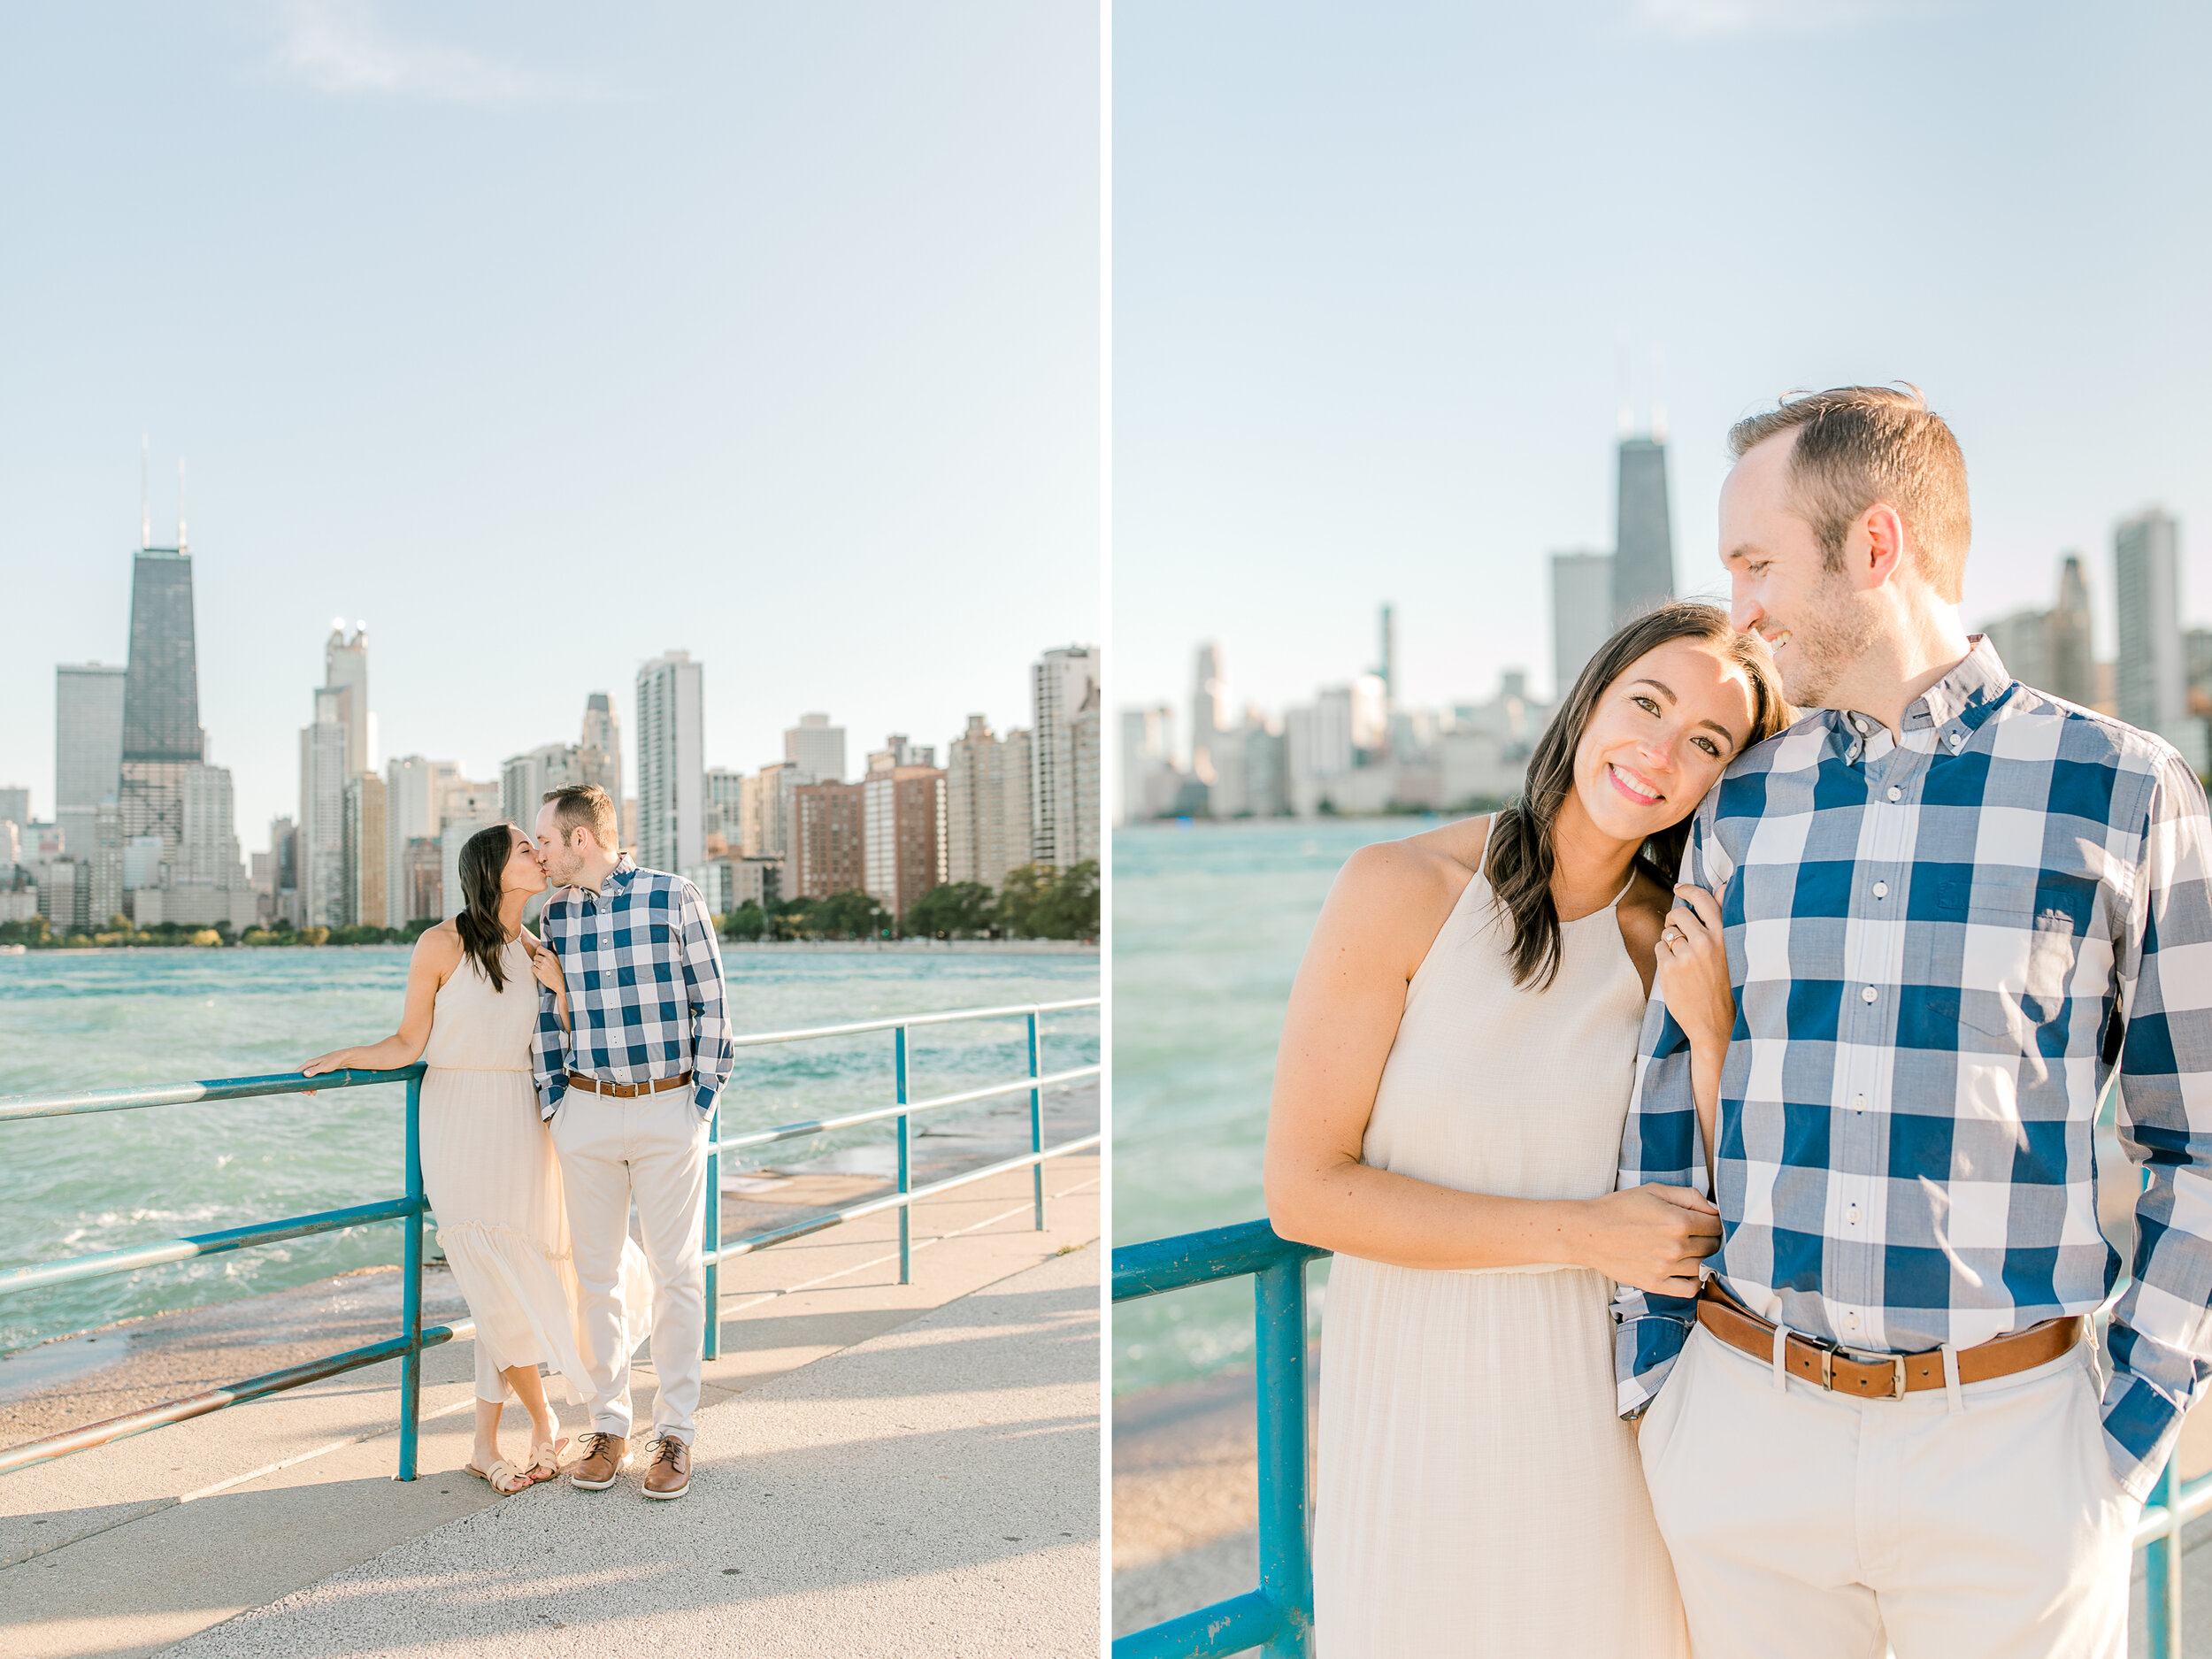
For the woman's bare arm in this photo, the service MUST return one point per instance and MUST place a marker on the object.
(437, 953)
(1384, 913)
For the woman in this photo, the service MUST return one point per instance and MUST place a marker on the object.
(1454, 1076)
(487, 1162)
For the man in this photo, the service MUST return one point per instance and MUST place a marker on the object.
(629, 1085)
(1952, 906)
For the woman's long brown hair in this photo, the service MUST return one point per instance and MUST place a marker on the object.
(1521, 855)
(483, 859)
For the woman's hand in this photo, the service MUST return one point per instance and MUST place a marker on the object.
(1693, 970)
(1651, 1236)
(336, 1060)
(545, 968)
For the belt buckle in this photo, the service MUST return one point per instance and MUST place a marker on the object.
(1896, 1362)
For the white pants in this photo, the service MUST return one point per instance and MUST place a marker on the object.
(653, 1148)
(1985, 1524)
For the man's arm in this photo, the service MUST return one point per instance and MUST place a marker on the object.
(1659, 1142)
(712, 1054)
(2161, 1348)
(549, 1049)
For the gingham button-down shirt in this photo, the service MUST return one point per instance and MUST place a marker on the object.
(644, 978)
(1942, 948)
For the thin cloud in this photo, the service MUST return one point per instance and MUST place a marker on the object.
(1698, 20)
(341, 47)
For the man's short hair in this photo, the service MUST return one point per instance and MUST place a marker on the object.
(589, 805)
(1857, 445)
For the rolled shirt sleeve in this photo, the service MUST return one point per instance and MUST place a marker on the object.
(713, 1052)
(2160, 1342)
(1661, 1144)
(548, 1055)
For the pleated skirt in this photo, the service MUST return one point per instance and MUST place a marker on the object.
(493, 1182)
(1476, 1493)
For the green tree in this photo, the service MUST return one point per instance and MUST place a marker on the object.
(747, 921)
(958, 910)
(1070, 909)
(1020, 895)
(793, 919)
(852, 914)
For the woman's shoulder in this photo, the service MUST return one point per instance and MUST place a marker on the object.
(1415, 874)
(441, 943)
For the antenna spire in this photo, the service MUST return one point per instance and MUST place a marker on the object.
(145, 494)
(181, 541)
(1658, 404)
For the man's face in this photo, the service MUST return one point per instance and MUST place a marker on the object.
(1817, 621)
(561, 860)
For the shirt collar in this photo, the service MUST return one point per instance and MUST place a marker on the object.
(617, 881)
(1951, 710)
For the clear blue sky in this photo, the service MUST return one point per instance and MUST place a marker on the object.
(1373, 266)
(546, 339)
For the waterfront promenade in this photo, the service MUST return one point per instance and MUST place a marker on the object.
(880, 1470)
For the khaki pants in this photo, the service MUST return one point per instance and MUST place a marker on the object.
(1981, 1522)
(653, 1148)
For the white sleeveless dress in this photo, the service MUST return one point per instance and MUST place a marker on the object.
(492, 1181)
(1477, 1494)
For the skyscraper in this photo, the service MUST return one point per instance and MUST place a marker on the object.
(828, 839)
(346, 668)
(1581, 614)
(1063, 682)
(903, 831)
(671, 773)
(987, 804)
(1210, 714)
(414, 790)
(2151, 675)
(817, 748)
(1643, 544)
(2073, 660)
(320, 839)
(1387, 669)
(726, 808)
(15, 805)
(601, 761)
(161, 695)
(87, 749)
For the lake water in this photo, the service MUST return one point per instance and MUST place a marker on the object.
(1210, 923)
(74, 1020)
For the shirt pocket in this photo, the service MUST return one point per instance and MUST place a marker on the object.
(2020, 937)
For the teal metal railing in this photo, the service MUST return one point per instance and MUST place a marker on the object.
(409, 1209)
(1277, 1616)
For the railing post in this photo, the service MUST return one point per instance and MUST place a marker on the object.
(1036, 1126)
(712, 1227)
(2162, 1570)
(411, 1288)
(906, 1170)
(1279, 1296)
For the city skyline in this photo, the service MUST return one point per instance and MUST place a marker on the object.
(1369, 331)
(463, 363)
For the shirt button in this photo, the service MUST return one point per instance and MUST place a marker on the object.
(1895, 794)
(1958, 739)
(1851, 1321)
(1851, 1214)
(1858, 1103)
(1867, 995)
(1881, 890)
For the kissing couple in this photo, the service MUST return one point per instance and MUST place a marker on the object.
(566, 1077)
(1784, 1038)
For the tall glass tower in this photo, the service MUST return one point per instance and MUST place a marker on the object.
(161, 697)
(1643, 557)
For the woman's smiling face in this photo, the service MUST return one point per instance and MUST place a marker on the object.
(1659, 736)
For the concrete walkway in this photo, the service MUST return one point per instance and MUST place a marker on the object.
(885, 1468)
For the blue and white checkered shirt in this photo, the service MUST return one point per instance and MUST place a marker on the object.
(644, 978)
(1941, 947)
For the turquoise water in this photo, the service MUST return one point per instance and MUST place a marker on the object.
(1209, 922)
(112, 1018)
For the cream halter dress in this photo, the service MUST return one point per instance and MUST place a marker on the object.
(1477, 1493)
(494, 1183)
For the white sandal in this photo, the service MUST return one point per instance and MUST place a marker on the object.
(501, 1470)
(545, 1454)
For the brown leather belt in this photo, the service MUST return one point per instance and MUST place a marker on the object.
(1881, 1376)
(626, 1091)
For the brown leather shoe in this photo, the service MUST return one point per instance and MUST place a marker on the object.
(669, 1473)
(605, 1456)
